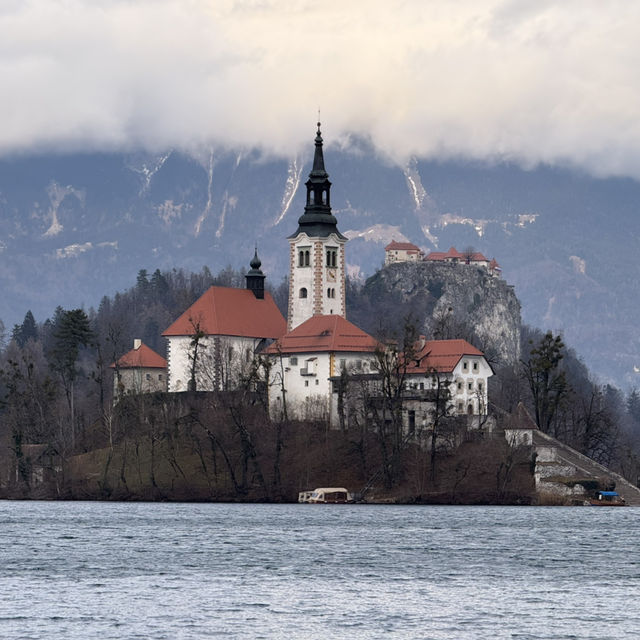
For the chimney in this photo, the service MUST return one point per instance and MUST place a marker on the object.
(137, 343)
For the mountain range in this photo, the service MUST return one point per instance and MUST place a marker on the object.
(79, 226)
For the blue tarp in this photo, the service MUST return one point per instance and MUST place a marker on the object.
(608, 493)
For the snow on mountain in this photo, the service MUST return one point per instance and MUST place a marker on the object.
(74, 228)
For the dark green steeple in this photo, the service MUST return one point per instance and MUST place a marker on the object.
(317, 220)
(255, 277)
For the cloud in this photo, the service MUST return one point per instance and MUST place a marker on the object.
(530, 82)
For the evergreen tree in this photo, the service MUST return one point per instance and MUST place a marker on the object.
(548, 384)
(70, 333)
(26, 331)
(151, 333)
(633, 406)
(159, 287)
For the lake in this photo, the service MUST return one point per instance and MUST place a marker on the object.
(155, 570)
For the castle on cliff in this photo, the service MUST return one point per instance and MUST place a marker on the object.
(407, 252)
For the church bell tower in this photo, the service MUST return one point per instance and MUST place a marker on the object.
(317, 261)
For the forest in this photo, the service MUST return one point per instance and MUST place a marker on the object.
(63, 436)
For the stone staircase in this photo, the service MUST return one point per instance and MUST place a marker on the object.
(556, 460)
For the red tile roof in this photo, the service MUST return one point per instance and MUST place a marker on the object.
(441, 355)
(454, 254)
(436, 255)
(401, 246)
(225, 311)
(324, 334)
(142, 357)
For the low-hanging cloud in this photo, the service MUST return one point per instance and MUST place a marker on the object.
(528, 81)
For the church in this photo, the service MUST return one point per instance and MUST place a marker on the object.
(218, 340)
(320, 341)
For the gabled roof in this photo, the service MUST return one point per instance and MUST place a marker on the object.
(224, 311)
(401, 246)
(324, 334)
(520, 419)
(454, 254)
(436, 256)
(441, 355)
(143, 357)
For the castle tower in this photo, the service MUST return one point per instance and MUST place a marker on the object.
(317, 260)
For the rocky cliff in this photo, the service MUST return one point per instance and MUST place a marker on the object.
(449, 301)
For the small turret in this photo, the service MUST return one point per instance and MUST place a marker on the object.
(255, 277)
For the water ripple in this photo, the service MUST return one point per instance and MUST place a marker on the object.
(153, 571)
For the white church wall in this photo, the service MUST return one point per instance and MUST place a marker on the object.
(222, 361)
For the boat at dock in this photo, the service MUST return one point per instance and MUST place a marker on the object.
(607, 499)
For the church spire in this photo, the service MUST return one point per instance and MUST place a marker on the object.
(318, 158)
(317, 220)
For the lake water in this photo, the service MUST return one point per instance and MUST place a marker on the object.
(125, 570)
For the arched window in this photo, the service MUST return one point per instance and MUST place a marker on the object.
(303, 292)
(304, 257)
(470, 409)
(332, 257)
(311, 196)
(324, 196)
(331, 292)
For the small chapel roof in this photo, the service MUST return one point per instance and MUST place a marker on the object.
(141, 357)
(324, 333)
(230, 312)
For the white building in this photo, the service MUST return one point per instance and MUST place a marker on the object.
(140, 370)
(459, 365)
(212, 345)
(305, 359)
(445, 376)
(402, 252)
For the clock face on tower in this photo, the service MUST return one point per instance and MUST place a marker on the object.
(331, 275)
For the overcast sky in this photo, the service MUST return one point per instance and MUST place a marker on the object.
(531, 81)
